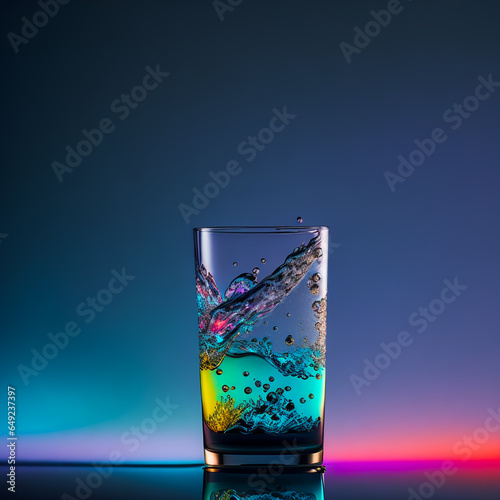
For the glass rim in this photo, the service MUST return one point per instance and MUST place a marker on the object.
(259, 229)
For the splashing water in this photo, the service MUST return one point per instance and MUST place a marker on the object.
(222, 320)
(295, 363)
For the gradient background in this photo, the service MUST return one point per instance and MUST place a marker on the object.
(119, 208)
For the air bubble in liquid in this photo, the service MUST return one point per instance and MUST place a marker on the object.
(272, 397)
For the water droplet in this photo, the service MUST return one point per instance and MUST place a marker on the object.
(279, 391)
(300, 220)
(263, 260)
(266, 323)
(275, 417)
(318, 253)
(302, 400)
(318, 376)
(314, 289)
(288, 388)
(248, 390)
(316, 277)
(290, 406)
(245, 374)
(254, 340)
(289, 340)
(266, 387)
(225, 388)
(272, 397)
(235, 264)
(275, 328)
(233, 388)
(265, 339)
(288, 315)
(311, 396)
(258, 383)
(271, 379)
(255, 271)
(219, 372)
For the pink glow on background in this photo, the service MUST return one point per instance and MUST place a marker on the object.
(394, 446)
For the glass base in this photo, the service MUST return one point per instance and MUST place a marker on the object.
(294, 459)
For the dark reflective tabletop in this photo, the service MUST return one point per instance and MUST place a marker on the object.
(344, 481)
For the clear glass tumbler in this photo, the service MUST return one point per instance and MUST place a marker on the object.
(261, 295)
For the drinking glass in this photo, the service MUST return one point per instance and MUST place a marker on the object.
(261, 294)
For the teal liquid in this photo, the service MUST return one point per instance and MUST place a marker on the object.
(289, 403)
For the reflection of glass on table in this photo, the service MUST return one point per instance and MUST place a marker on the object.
(263, 483)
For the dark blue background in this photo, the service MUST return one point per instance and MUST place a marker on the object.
(120, 208)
